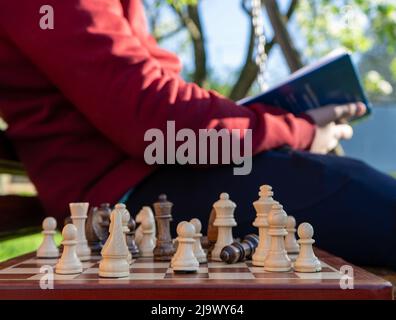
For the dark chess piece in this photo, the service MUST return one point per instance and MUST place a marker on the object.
(130, 237)
(68, 220)
(211, 232)
(92, 227)
(240, 251)
(104, 211)
(164, 248)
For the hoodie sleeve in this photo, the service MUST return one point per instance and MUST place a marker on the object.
(93, 57)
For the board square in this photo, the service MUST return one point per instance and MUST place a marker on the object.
(231, 275)
(146, 276)
(200, 270)
(275, 275)
(188, 276)
(149, 270)
(226, 269)
(320, 275)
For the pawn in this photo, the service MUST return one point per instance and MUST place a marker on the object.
(48, 248)
(291, 244)
(184, 259)
(147, 242)
(198, 251)
(114, 262)
(69, 263)
(306, 260)
(277, 259)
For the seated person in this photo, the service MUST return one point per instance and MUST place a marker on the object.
(79, 98)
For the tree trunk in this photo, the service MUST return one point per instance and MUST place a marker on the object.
(282, 36)
(198, 40)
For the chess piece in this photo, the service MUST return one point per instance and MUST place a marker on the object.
(125, 219)
(144, 213)
(197, 248)
(212, 231)
(225, 222)
(147, 243)
(277, 259)
(114, 262)
(132, 247)
(79, 215)
(263, 207)
(69, 263)
(291, 244)
(67, 220)
(184, 259)
(104, 212)
(164, 248)
(240, 251)
(306, 260)
(48, 248)
(94, 230)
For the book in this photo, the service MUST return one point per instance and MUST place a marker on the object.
(332, 80)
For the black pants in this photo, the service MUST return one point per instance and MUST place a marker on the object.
(351, 206)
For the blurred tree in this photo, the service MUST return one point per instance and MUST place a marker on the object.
(322, 25)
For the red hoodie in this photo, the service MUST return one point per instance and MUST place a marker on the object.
(79, 98)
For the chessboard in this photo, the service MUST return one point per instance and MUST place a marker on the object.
(23, 278)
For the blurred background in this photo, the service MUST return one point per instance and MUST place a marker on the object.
(216, 42)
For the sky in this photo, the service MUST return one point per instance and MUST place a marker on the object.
(227, 29)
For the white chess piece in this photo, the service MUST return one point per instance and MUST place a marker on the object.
(114, 262)
(277, 259)
(306, 260)
(224, 222)
(291, 244)
(69, 263)
(184, 259)
(126, 216)
(263, 207)
(144, 213)
(197, 248)
(48, 247)
(78, 212)
(147, 243)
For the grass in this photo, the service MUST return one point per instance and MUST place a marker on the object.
(393, 174)
(13, 247)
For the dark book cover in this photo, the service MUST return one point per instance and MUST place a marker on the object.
(332, 80)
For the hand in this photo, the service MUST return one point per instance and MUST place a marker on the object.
(328, 133)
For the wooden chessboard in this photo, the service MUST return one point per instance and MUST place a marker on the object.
(20, 279)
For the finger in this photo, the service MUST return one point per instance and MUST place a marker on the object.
(350, 110)
(340, 113)
(343, 131)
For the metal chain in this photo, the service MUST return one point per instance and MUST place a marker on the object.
(261, 57)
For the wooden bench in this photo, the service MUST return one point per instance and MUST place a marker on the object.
(16, 212)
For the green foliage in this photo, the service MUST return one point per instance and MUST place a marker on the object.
(376, 84)
(357, 25)
(393, 68)
(14, 247)
(180, 3)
